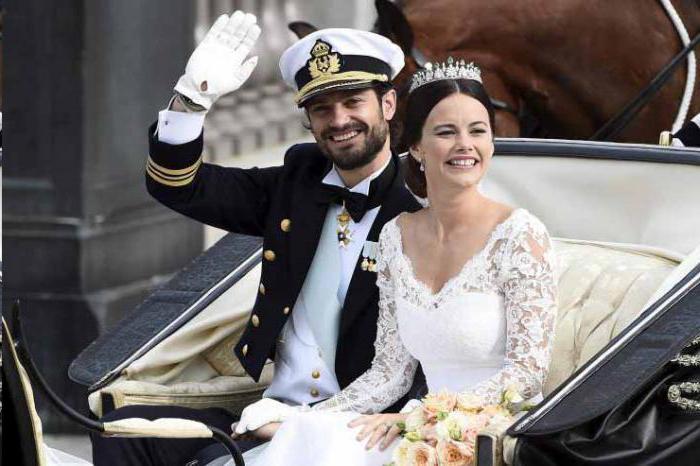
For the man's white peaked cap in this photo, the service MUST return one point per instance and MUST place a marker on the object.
(339, 58)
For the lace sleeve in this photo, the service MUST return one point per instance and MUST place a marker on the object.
(529, 288)
(393, 368)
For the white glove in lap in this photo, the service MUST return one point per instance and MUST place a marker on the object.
(217, 66)
(263, 412)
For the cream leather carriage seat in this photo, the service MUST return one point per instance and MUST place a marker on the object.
(601, 289)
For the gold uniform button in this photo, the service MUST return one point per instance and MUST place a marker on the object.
(255, 320)
(262, 289)
(315, 374)
(269, 255)
(286, 310)
(314, 392)
(244, 350)
(286, 225)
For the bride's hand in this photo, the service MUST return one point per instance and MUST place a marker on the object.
(378, 427)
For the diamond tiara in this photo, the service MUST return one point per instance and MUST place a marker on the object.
(451, 69)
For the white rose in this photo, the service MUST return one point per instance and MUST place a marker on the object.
(453, 426)
(415, 420)
(400, 455)
(512, 395)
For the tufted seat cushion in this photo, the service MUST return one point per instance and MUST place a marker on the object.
(602, 288)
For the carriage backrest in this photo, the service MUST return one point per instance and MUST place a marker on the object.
(618, 193)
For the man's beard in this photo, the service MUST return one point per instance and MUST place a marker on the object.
(350, 159)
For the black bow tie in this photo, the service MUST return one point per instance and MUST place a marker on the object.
(358, 204)
(355, 203)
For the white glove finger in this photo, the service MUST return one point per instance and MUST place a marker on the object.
(249, 22)
(241, 426)
(250, 38)
(261, 421)
(225, 35)
(216, 28)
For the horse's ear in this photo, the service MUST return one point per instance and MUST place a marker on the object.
(302, 28)
(392, 23)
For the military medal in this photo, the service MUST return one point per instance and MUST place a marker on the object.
(343, 231)
(369, 257)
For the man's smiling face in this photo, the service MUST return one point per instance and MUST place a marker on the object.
(351, 126)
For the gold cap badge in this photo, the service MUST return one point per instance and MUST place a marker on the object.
(323, 62)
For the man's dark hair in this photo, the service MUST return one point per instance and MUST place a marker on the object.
(380, 89)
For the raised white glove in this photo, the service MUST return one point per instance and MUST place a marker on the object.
(216, 66)
(263, 412)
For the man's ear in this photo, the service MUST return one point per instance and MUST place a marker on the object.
(389, 104)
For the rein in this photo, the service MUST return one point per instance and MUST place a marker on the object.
(620, 121)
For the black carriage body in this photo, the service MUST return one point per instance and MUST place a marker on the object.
(167, 309)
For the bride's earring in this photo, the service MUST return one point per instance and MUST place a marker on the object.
(416, 154)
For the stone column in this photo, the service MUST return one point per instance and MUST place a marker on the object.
(82, 238)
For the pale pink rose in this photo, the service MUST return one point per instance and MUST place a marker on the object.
(422, 454)
(451, 453)
(442, 401)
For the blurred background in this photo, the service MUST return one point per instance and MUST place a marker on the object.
(83, 243)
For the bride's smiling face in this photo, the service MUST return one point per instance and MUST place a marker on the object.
(456, 143)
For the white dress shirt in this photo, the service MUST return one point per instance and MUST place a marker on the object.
(304, 375)
(179, 127)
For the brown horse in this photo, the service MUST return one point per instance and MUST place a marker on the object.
(562, 67)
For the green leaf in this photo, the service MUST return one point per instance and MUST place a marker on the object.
(413, 436)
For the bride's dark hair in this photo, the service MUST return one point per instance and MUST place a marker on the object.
(420, 102)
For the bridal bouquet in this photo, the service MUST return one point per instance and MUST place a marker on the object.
(443, 431)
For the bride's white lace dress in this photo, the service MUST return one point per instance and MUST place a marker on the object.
(489, 327)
